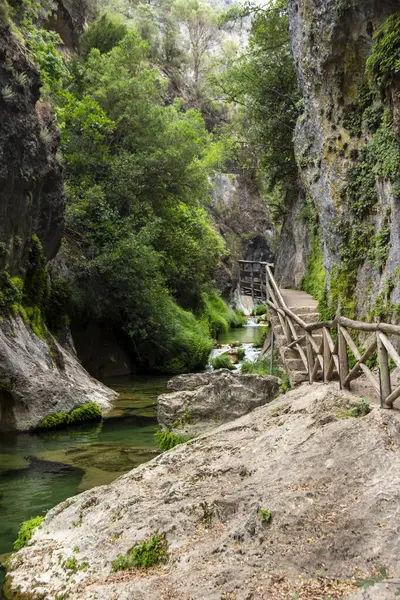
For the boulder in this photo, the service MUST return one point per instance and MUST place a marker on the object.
(39, 378)
(203, 400)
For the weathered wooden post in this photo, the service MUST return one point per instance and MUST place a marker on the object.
(271, 360)
(310, 360)
(327, 354)
(343, 359)
(384, 371)
(240, 278)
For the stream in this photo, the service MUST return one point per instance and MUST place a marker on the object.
(39, 470)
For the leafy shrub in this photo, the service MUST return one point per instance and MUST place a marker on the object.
(259, 310)
(104, 34)
(26, 531)
(10, 293)
(222, 362)
(167, 440)
(238, 320)
(150, 552)
(383, 63)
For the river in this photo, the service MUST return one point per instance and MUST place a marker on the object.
(40, 470)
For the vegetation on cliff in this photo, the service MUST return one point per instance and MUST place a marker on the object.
(139, 246)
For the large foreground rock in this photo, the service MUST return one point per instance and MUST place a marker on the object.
(39, 378)
(331, 483)
(201, 401)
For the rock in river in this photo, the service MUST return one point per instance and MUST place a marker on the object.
(200, 401)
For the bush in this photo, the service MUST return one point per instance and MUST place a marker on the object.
(150, 552)
(222, 362)
(26, 531)
(240, 353)
(260, 310)
(167, 440)
(104, 34)
(361, 409)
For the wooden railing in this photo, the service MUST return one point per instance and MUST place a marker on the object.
(325, 347)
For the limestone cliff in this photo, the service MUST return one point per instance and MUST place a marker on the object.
(348, 154)
(242, 218)
(37, 377)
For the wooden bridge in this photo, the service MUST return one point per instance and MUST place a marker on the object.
(312, 350)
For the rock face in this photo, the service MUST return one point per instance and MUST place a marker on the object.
(331, 484)
(31, 190)
(242, 219)
(331, 42)
(202, 400)
(39, 378)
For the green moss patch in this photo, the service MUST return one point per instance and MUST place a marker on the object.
(26, 531)
(150, 552)
(87, 412)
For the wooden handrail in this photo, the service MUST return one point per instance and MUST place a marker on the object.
(322, 355)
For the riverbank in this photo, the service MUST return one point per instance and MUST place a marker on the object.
(284, 502)
(38, 470)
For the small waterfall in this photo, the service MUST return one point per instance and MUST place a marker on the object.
(251, 354)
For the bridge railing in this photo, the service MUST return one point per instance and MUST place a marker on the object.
(330, 350)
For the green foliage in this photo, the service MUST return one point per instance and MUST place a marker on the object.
(36, 289)
(150, 552)
(314, 281)
(361, 409)
(10, 293)
(260, 310)
(240, 353)
(86, 412)
(186, 419)
(26, 531)
(219, 317)
(261, 336)
(263, 367)
(167, 440)
(223, 361)
(262, 81)
(264, 515)
(104, 34)
(59, 304)
(383, 63)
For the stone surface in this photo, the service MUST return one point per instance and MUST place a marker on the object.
(31, 190)
(331, 41)
(39, 378)
(212, 398)
(332, 485)
(242, 218)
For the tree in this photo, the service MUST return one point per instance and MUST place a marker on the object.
(200, 24)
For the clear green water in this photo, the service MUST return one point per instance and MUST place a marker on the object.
(37, 471)
(245, 335)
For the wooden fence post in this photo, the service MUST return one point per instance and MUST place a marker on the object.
(326, 354)
(252, 282)
(384, 372)
(343, 359)
(310, 360)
